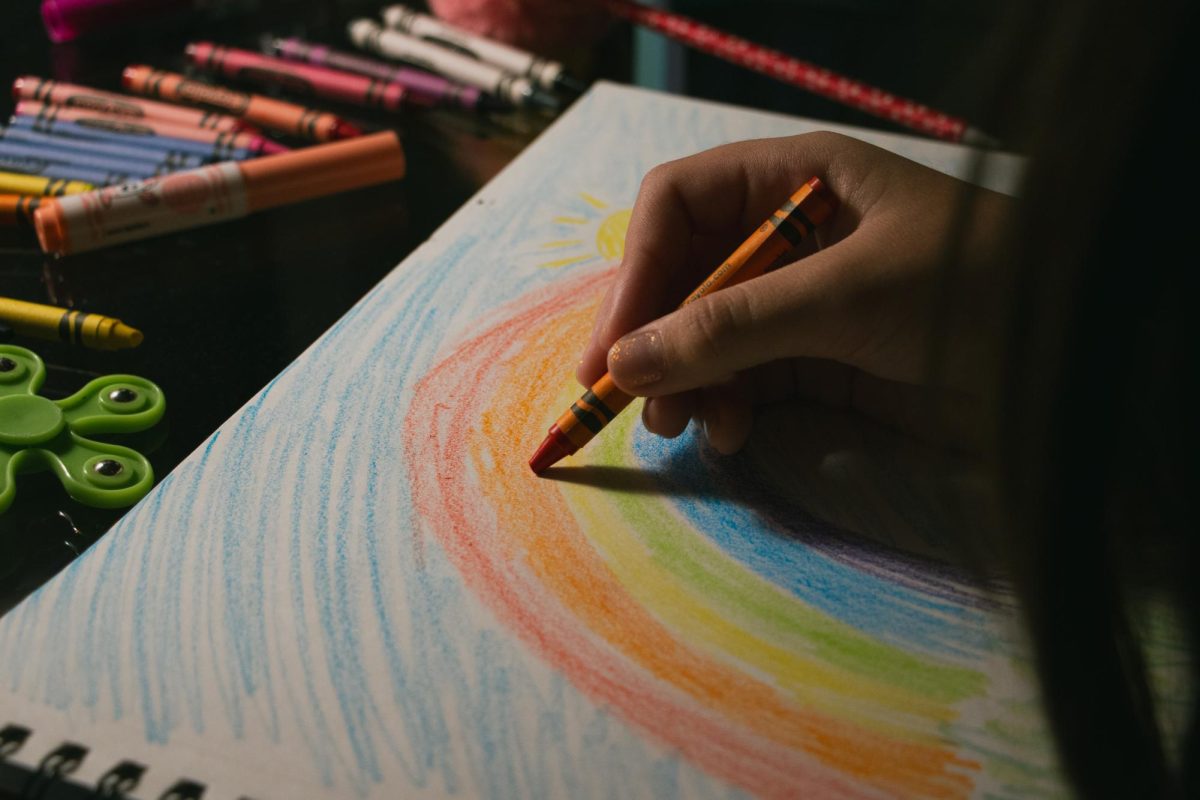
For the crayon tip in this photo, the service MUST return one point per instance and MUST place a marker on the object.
(344, 130)
(125, 336)
(554, 448)
(268, 147)
(241, 126)
(544, 100)
(128, 74)
(566, 82)
(489, 102)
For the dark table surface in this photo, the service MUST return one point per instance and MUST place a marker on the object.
(224, 309)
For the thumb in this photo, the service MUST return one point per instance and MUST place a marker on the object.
(797, 310)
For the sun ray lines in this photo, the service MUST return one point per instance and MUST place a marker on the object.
(566, 262)
(608, 235)
(594, 202)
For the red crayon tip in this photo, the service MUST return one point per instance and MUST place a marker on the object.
(270, 148)
(344, 130)
(128, 74)
(554, 448)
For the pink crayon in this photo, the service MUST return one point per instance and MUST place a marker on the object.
(423, 87)
(29, 87)
(76, 121)
(304, 79)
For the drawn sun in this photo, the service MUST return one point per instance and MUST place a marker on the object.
(609, 236)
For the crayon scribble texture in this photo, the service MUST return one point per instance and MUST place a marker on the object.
(356, 587)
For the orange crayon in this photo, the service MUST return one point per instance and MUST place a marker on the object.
(266, 112)
(17, 209)
(214, 193)
(807, 208)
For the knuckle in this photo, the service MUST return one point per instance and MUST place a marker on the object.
(659, 181)
(713, 324)
(825, 140)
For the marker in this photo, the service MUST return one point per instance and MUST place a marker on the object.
(543, 72)
(277, 115)
(215, 193)
(73, 327)
(18, 183)
(118, 105)
(392, 44)
(164, 160)
(115, 166)
(807, 208)
(81, 124)
(424, 87)
(17, 209)
(344, 87)
(64, 174)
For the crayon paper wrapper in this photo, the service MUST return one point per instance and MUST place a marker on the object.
(139, 210)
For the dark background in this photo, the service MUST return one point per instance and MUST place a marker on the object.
(224, 309)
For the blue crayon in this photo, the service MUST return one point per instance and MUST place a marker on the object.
(131, 134)
(139, 169)
(163, 159)
(56, 171)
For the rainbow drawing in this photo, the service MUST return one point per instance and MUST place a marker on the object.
(751, 638)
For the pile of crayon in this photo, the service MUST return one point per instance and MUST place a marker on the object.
(102, 156)
(121, 167)
(439, 65)
(76, 138)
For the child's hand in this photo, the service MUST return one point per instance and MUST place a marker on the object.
(849, 323)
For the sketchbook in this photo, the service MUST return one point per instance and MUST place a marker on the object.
(355, 588)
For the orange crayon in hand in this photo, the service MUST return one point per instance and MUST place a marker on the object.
(807, 208)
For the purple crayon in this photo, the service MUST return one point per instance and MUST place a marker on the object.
(424, 88)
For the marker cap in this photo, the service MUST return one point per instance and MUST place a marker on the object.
(323, 169)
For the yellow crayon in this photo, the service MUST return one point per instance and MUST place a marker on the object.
(76, 327)
(16, 183)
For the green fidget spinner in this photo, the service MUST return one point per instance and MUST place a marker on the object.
(37, 433)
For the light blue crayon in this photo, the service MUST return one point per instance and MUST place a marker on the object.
(155, 159)
(129, 134)
(47, 169)
(139, 169)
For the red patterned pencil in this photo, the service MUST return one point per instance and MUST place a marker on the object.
(792, 70)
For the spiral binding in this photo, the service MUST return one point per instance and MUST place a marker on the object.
(51, 780)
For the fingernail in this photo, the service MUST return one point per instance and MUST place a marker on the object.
(638, 358)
